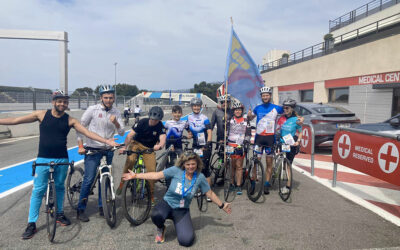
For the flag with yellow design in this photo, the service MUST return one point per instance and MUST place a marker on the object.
(242, 75)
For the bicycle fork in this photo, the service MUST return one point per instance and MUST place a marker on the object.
(107, 172)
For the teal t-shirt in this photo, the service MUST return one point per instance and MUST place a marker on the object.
(174, 192)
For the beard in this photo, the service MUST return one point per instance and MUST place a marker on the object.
(58, 110)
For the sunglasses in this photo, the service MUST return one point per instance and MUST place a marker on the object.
(286, 107)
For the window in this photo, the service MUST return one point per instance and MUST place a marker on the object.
(301, 111)
(339, 95)
(307, 95)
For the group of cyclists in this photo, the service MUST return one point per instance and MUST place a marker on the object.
(191, 170)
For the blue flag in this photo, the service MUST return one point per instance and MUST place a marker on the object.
(244, 79)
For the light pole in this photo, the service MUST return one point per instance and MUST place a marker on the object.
(115, 83)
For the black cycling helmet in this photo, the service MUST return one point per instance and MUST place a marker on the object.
(59, 94)
(289, 102)
(156, 113)
(196, 101)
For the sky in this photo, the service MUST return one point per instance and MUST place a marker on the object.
(157, 44)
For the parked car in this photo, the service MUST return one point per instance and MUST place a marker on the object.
(326, 119)
(391, 126)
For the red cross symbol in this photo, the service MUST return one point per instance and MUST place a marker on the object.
(344, 146)
(390, 156)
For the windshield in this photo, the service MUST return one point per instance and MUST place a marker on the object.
(328, 109)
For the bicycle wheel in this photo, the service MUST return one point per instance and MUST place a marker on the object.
(255, 180)
(274, 174)
(228, 181)
(136, 201)
(216, 167)
(285, 179)
(51, 210)
(74, 183)
(108, 201)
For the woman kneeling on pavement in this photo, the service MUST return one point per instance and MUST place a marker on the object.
(186, 178)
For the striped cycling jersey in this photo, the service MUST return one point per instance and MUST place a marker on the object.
(237, 128)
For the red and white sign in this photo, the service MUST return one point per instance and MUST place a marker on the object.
(380, 78)
(372, 155)
(306, 140)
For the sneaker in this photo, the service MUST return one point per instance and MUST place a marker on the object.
(266, 190)
(80, 215)
(64, 221)
(232, 188)
(285, 190)
(208, 199)
(160, 235)
(101, 213)
(238, 190)
(29, 231)
(252, 187)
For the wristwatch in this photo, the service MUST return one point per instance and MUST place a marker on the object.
(222, 205)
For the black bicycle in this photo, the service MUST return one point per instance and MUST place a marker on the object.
(254, 176)
(136, 196)
(217, 162)
(104, 174)
(50, 197)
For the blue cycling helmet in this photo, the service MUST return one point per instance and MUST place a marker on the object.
(106, 89)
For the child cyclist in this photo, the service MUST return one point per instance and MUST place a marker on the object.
(175, 128)
(238, 133)
(289, 132)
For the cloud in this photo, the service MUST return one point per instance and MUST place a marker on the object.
(156, 43)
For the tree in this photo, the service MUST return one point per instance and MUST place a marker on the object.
(81, 91)
(208, 89)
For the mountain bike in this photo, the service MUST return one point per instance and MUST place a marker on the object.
(136, 196)
(104, 173)
(282, 171)
(50, 197)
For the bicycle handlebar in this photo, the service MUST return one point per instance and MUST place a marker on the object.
(51, 164)
(146, 151)
(94, 151)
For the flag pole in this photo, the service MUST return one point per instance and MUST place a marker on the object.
(225, 115)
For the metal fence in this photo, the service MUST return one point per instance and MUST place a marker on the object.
(360, 13)
(327, 47)
(37, 100)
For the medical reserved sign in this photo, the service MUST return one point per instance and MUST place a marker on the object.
(306, 140)
(372, 155)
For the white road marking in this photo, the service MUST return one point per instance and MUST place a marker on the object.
(17, 139)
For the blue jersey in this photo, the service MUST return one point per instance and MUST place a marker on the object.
(198, 125)
(266, 118)
(288, 126)
(175, 131)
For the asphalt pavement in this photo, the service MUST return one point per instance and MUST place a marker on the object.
(314, 218)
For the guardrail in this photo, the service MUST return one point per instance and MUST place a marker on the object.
(327, 47)
(373, 153)
(360, 13)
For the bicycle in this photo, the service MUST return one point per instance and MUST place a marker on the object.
(136, 196)
(282, 170)
(104, 173)
(50, 197)
(217, 162)
(168, 157)
(254, 176)
(126, 119)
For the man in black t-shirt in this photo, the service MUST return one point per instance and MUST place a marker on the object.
(148, 133)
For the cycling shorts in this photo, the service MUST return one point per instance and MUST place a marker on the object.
(264, 143)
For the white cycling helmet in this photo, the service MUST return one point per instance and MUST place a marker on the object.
(59, 94)
(237, 105)
(265, 90)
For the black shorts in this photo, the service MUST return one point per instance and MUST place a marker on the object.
(136, 115)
